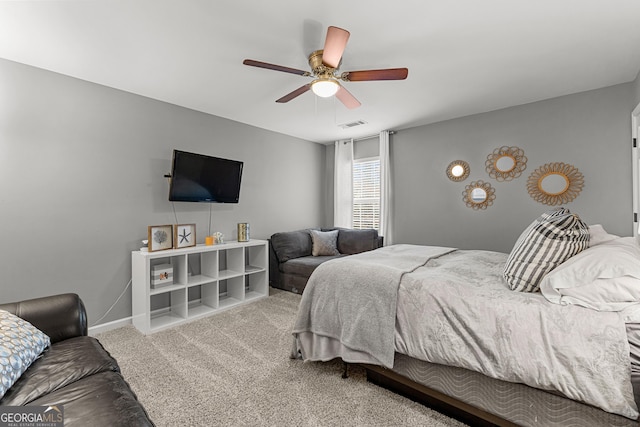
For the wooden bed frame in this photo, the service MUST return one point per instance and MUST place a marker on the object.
(478, 400)
(440, 402)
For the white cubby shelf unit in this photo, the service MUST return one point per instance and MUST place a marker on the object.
(206, 280)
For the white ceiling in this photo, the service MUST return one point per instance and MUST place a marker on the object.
(463, 56)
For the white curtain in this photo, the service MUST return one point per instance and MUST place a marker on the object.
(343, 185)
(385, 189)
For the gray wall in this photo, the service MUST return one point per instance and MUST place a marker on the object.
(81, 170)
(590, 130)
(636, 90)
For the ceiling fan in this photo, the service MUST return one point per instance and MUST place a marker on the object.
(324, 69)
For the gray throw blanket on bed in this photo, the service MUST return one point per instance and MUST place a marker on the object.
(345, 313)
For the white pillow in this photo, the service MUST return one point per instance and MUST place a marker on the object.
(605, 277)
(20, 344)
(599, 235)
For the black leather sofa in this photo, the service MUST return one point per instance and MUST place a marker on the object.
(75, 371)
(291, 262)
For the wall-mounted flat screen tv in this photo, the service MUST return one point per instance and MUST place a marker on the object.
(200, 178)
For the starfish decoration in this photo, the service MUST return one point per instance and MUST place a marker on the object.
(184, 237)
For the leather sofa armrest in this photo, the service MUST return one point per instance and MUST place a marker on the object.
(60, 316)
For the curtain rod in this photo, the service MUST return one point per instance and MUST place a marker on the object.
(391, 132)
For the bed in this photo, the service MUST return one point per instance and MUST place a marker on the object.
(448, 327)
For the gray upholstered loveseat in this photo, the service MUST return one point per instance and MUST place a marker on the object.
(290, 254)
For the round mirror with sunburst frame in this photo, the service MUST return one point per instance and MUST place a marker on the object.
(458, 170)
(478, 195)
(506, 163)
(555, 183)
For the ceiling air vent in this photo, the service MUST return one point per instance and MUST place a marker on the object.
(352, 124)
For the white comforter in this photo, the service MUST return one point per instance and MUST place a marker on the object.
(457, 311)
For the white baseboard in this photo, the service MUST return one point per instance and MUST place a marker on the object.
(104, 327)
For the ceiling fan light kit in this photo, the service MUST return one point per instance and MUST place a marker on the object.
(324, 65)
(325, 88)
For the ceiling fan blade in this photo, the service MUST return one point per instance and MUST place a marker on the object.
(368, 75)
(268, 66)
(334, 46)
(347, 99)
(288, 97)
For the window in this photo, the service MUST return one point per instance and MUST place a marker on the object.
(366, 193)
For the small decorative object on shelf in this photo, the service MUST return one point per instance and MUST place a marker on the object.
(209, 240)
(160, 237)
(243, 232)
(184, 235)
(161, 275)
(218, 237)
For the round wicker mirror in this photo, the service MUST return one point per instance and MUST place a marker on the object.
(458, 170)
(506, 163)
(478, 195)
(555, 184)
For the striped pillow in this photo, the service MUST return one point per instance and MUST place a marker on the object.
(549, 241)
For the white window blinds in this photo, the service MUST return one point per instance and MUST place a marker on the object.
(366, 193)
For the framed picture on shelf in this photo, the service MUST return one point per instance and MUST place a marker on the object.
(160, 237)
(184, 235)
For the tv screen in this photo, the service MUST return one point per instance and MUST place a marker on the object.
(200, 178)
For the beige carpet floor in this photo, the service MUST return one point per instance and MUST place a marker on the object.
(233, 369)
